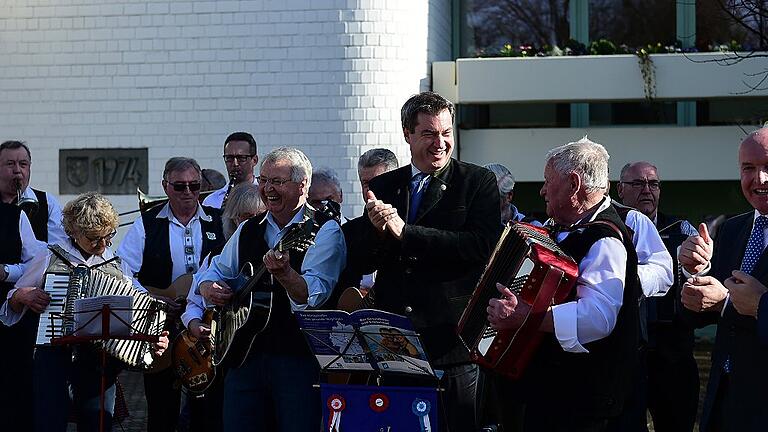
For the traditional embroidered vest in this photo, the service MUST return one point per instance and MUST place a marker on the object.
(157, 263)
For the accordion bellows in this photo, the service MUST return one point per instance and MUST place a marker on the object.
(534, 267)
(148, 315)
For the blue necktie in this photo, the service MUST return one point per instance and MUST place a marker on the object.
(755, 246)
(417, 191)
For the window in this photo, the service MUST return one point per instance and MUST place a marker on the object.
(487, 25)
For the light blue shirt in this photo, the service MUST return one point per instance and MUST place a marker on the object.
(322, 264)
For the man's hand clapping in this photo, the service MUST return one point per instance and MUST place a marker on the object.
(383, 216)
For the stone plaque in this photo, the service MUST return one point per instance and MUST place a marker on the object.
(109, 171)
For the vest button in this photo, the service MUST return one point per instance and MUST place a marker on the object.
(408, 309)
(408, 270)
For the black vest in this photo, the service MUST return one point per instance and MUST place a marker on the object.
(157, 263)
(39, 220)
(10, 238)
(282, 335)
(593, 384)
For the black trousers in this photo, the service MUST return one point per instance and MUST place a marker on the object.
(163, 400)
(17, 377)
(206, 411)
(458, 400)
(499, 402)
(544, 417)
(673, 391)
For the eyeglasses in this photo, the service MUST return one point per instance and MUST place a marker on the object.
(641, 184)
(276, 181)
(180, 186)
(95, 242)
(240, 158)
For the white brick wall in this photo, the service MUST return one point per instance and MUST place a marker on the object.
(328, 76)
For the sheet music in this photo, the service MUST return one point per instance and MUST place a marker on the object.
(121, 306)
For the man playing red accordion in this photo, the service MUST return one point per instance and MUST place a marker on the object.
(581, 374)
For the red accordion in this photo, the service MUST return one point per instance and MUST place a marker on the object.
(534, 267)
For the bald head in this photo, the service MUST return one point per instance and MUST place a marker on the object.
(753, 167)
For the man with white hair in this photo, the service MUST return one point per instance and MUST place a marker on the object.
(585, 362)
(274, 384)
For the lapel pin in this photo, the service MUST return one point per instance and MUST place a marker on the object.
(443, 187)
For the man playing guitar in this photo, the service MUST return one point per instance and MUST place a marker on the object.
(274, 382)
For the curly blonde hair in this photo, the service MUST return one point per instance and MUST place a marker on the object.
(89, 213)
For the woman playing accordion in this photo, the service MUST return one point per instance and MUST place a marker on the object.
(90, 222)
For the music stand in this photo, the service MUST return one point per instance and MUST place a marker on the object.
(106, 312)
(381, 345)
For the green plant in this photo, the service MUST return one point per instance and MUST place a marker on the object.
(648, 72)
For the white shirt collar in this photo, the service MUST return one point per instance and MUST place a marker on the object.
(166, 213)
(754, 217)
(75, 253)
(415, 170)
(603, 205)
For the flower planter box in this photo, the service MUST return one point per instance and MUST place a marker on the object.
(595, 78)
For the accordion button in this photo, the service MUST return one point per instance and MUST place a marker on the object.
(408, 309)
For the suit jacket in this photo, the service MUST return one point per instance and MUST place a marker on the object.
(430, 274)
(762, 319)
(358, 261)
(737, 339)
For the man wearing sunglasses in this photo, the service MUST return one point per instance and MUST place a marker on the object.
(240, 157)
(165, 243)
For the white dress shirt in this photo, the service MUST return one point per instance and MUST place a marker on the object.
(56, 233)
(599, 293)
(320, 269)
(215, 199)
(35, 272)
(654, 261)
(131, 250)
(195, 302)
(30, 247)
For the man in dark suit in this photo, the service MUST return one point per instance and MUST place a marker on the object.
(358, 272)
(737, 393)
(669, 368)
(434, 223)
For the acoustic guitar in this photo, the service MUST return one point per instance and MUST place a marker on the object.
(247, 315)
(354, 298)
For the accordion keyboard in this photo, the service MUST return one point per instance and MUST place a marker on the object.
(51, 320)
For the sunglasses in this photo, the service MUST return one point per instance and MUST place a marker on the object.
(180, 186)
